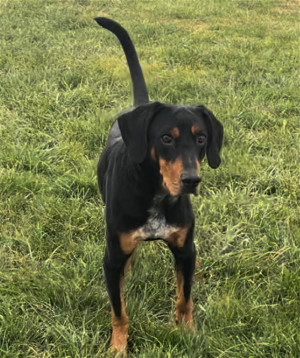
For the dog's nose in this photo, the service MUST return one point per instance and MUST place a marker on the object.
(190, 181)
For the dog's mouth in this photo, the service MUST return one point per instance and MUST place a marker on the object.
(187, 189)
(174, 189)
(178, 189)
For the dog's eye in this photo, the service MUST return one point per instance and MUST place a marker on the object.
(201, 139)
(167, 139)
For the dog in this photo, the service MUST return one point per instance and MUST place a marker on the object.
(146, 173)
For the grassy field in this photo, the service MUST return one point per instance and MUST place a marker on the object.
(62, 81)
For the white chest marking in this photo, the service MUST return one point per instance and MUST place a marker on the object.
(156, 227)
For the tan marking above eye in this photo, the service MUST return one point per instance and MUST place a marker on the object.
(175, 132)
(171, 173)
(196, 130)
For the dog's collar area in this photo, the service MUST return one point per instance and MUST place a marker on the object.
(162, 196)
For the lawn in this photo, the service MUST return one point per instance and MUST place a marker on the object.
(63, 80)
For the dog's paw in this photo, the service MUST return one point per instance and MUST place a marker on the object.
(118, 342)
(184, 314)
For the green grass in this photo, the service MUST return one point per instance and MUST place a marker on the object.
(63, 80)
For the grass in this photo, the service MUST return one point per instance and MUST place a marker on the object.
(63, 80)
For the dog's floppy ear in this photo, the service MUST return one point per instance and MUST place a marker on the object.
(215, 137)
(134, 129)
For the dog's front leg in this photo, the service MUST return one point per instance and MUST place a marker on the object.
(114, 274)
(118, 254)
(185, 258)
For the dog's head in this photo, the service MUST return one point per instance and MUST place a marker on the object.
(176, 138)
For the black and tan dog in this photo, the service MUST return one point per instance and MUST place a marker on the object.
(150, 166)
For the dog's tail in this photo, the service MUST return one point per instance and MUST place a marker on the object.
(140, 92)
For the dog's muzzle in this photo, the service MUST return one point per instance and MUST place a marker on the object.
(190, 183)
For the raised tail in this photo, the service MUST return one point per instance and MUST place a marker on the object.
(140, 92)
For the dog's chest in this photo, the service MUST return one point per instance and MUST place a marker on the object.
(156, 226)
